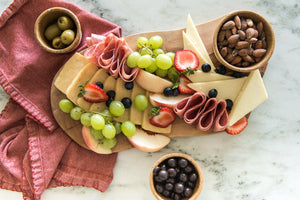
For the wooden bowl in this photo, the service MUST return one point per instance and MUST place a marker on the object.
(199, 184)
(49, 17)
(270, 40)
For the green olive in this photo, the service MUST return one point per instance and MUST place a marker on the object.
(52, 31)
(65, 23)
(67, 37)
(57, 43)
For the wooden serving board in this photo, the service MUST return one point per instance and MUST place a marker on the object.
(172, 41)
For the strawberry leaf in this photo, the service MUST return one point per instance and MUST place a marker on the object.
(155, 111)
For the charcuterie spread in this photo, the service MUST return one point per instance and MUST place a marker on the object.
(137, 92)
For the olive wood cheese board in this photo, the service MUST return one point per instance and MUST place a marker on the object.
(172, 41)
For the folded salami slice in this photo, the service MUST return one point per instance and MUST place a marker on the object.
(221, 116)
(207, 117)
(192, 114)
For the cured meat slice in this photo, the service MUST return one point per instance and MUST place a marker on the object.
(94, 39)
(192, 114)
(221, 116)
(207, 117)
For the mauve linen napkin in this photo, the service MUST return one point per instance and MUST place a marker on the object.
(35, 154)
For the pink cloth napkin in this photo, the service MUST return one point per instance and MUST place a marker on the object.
(35, 154)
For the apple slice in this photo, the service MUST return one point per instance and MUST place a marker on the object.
(92, 143)
(151, 82)
(161, 100)
(148, 142)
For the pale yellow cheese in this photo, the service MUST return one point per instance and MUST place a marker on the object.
(227, 89)
(70, 69)
(200, 76)
(252, 94)
(193, 35)
(122, 92)
(82, 77)
(136, 115)
(100, 75)
(109, 84)
(148, 126)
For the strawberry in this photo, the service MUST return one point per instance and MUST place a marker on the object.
(94, 94)
(185, 59)
(162, 117)
(182, 86)
(238, 127)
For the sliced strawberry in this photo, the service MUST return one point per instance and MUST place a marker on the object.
(182, 86)
(162, 117)
(185, 59)
(238, 127)
(94, 94)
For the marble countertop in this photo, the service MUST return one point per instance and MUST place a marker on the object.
(263, 162)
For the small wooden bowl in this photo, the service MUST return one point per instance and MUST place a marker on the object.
(270, 40)
(49, 17)
(199, 184)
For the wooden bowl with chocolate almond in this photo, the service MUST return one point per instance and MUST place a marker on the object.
(243, 41)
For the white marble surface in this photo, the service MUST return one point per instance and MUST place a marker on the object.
(263, 162)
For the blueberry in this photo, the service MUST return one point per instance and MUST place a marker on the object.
(172, 172)
(206, 67)
(229, 103)
(111, 94)
(182, 163)
(129, 85)
(193, 177)
(212, 93)
(99, 84)
(188, 192)
(178, 188)
(126, 102)
(168, 92)
(163, 174)
(172, 162)
(221, 69)
(176, 92)
(108, 102)
(238, 74)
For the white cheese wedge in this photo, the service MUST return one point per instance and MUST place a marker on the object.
(252, 94)
(192, 33)
(136, 115)
(200, 76)
(227, 89)
(82, 77)
(148, 126)
(69, 70)
(122, 92)
(109, 84)
(100, 75)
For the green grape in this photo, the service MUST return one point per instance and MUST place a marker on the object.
(109, 131)
(141, 102)
(97, 134)
(109, 143)
(144, 61)
(172, 56)
(152, 68)
(128, 128)
(76, 113)
(163, 61)
(146, 51)
(142, 42)
(156, 52)
(161, 72)
(66, 105)
(155, 42)
(116, 108)
(173, 74)
(85, 119)
(107, 115)
(97, 121)
(118, 127)
(132, 59)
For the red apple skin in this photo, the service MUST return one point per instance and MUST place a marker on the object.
(159, 100)
(148, 142)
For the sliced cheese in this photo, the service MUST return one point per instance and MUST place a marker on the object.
(82, 77)
(148, 126)
(200, 76)
(192, 33)
(109, 84)
(136, 115)
(71, 68)
(227, 89)
(252, 94)
(122, 92)
(100, 75)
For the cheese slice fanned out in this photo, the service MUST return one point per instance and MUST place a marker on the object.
(252, 94)
(227, 89)
(193, 35)
(200, 76)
